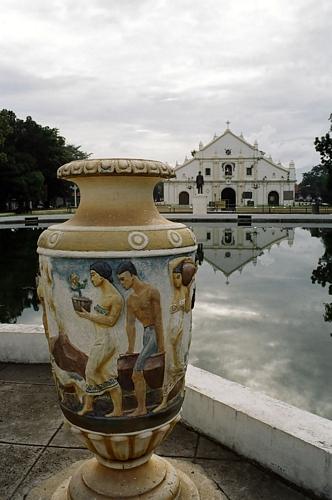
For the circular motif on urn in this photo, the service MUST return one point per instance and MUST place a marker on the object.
(174, 238)
(138, 240)
(53, 238)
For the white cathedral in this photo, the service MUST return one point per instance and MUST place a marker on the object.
(234, 171)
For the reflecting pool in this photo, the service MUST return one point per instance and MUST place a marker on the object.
(263, 314)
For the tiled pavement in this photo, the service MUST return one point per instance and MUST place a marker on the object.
(35, 444)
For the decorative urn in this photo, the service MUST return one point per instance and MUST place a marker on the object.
(117, 288)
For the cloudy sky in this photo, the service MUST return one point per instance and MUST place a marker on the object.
(151, 78)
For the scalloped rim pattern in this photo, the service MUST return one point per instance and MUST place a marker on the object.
(115, 167)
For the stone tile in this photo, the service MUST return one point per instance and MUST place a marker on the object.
(29, 374)
(15, 461)
(29, 414)
(182, 442)
(65, 438)
(210, 449)
(51, 461)
(207, 488)
(244, 481)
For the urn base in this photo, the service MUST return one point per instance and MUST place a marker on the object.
(156, 479)
(57, 486)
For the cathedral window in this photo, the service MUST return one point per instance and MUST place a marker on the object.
(247, 195)
(249, 170)
(208, 171)
(228, 169)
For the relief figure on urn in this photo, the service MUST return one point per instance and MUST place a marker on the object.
(143, 305)
(68, 363)
(101, 369)
(181, 273)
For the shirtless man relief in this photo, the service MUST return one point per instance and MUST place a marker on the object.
(143, 304)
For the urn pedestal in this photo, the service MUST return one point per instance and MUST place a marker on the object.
(117, 289)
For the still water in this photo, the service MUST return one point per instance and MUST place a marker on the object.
(263, 314)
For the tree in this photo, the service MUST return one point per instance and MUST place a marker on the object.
(314, 183)
(318, 181)
(30, 155)
(324, 147)
(323, 272)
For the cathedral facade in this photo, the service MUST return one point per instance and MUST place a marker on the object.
(235, 173)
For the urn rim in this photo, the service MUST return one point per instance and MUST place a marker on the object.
(116, 167)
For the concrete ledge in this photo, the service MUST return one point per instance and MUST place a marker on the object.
(23, 344)
(294, 443)
(278, 218)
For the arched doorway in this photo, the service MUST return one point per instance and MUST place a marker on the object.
(228, 194)
(184, 198)
(273, 198)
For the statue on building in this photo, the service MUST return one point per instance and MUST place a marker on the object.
(199, 182)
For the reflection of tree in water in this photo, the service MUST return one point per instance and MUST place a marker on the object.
(323, 272)
(19, 264)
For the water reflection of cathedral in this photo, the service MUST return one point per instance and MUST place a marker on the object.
(229, 249)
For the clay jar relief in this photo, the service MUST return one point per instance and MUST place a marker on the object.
(117, 288)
